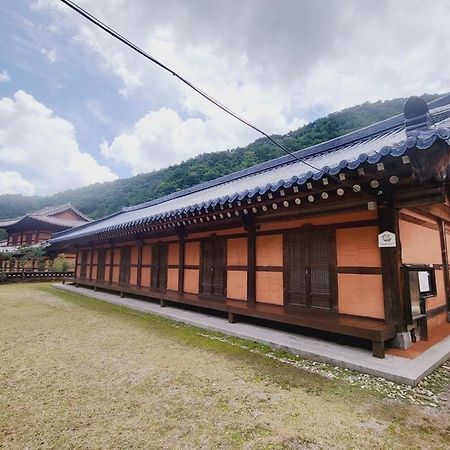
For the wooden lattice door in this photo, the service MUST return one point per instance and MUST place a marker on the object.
(160, 254)
(101, 264)
(309, 271)
(213, 268)
(125, 266)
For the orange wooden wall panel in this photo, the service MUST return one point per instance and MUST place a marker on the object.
(107, 272)
(358, 247)
(269, 287)
(435, 321)
(237, 252)
(269, 250)
(361, 295)
(117, 255)
(224, 232)
(173, 253)
(133, 276)
(192, 254)
(321, 220)
(134, 254)
(146, 277)
(191, 280)
(115, 277)
(147, 254)
(172, 279)
(237, 284)
(420, 245)
(439, 299)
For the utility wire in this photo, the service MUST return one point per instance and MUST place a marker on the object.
(221, 106)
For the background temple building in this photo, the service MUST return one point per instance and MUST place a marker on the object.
(34, 230)
(347, 237)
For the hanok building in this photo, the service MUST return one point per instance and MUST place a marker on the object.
(350, 237)
(35, 230)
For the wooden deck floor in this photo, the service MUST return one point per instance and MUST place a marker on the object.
(435, 335)
(375, 330)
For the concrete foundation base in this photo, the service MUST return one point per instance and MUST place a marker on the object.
(402, 340)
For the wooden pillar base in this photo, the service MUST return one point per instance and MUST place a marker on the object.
(232, 318)
(378, 349)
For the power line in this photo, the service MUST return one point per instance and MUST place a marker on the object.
(224, 108)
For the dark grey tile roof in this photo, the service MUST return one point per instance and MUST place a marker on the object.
(369, 145)
(46, 215)
(52, 210)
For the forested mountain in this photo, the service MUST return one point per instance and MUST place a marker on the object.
(100, 199)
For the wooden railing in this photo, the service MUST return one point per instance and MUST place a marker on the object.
(14, 277)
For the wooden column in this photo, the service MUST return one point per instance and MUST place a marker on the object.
(182, 236)
(76, 259)
(91, 262)
(388, 218)
(444, 249)
(251, 263)
(111, 263)
(140, 245)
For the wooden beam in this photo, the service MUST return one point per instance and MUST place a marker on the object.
(417, 221)
(438, 211)
(91, 262)
(232, 318)
(391, 268)
(251, 263)
(444, 249)
(77, 252)
(111, 263)
(140, 245)
(182, 236)
(418, 195)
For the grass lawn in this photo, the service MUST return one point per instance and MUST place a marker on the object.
(79, 373)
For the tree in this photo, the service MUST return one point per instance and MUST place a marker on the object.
(29, 254)
(60, 263)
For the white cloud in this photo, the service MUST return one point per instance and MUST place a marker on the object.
(163, 137)
(97, 110)
(4, 76)
(115, 60)
(42, 147)
(273, 66)
(12, 182)
(49, 54)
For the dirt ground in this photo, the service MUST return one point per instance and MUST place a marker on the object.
(81, 374)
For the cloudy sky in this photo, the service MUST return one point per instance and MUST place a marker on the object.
(77, 107)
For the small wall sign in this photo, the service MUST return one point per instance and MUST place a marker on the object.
(386, 239)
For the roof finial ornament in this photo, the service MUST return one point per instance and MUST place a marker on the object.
(417, 115)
